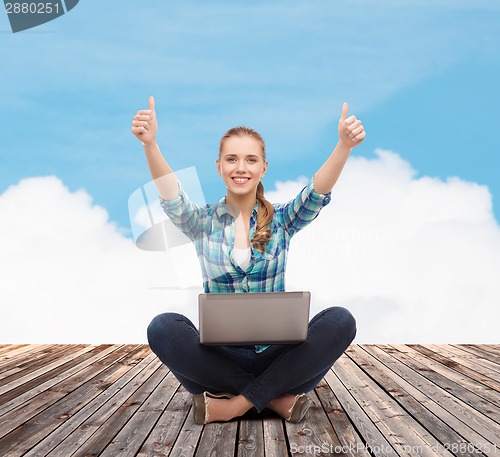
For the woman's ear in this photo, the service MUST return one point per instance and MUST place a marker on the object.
(218, 166)
(264, 170)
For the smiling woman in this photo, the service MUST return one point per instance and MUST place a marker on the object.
(242, 244)
(242, 164)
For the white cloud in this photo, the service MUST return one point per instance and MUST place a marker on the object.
(414, 259)
(68, 274)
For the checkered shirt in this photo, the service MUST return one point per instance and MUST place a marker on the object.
(211, 228)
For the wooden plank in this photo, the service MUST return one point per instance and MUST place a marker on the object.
(106, 427)
(188, 437)
(41, 373)
(35, 354)
(250, 437)
(488, 348)
(13, 350)
(101, 412)
(30, 392)
(37, 428)
(7, 346)
(218, 439)
(443, 425)
(475, 371)
(350, 441)
(448, 380)
(473, 422)
(169, 426)
(479, 351)
(314, 434)
(275, 443)
(24, 368)
(36, 358)
(465, 383)
(473, 358)
(50, 355)
(377, 400)
(75, 429)
(375, 442)
(18, 352)
(402, 431)
(131, 437)
(21, 414)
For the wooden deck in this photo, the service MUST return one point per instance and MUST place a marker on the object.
(118, 400)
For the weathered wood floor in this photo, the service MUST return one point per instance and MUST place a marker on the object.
(85, 400)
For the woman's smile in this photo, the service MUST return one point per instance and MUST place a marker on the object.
(240, 179)
(242, 164)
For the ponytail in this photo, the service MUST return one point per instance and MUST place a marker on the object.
(265, 212)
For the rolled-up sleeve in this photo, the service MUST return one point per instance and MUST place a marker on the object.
(304, 208)
(184, 214)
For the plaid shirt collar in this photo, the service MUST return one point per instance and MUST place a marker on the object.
(221, 210)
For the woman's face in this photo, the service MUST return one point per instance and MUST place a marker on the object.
(241, 164)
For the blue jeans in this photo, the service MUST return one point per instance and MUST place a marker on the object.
(260, 377)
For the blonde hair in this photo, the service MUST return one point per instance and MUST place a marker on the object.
(265, 209)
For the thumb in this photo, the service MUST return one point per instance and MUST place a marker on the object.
(345, 109)
(151, 103)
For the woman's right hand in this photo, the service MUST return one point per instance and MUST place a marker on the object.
(145, 125)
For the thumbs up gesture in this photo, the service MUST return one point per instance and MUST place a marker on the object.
(144, 123)
(351, 130)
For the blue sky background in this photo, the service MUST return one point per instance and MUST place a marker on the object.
(422, 76)
(407, 250)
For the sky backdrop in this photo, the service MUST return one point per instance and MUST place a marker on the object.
(411, 240)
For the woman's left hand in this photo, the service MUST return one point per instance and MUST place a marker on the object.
(351, 130)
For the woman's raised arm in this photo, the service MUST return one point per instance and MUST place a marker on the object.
(351, 134)
(144, 127)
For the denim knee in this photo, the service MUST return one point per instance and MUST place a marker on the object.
(160, 326)
(344, 316)
(345, 320)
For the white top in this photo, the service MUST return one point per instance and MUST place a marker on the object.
(242, 257)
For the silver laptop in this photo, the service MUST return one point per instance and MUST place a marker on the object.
(254, 318)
